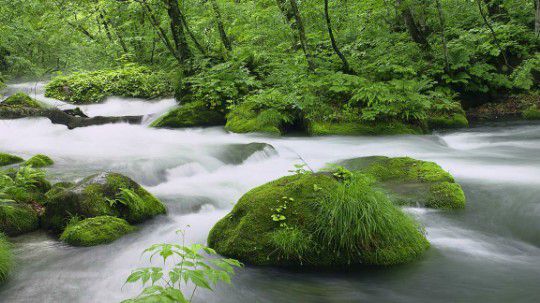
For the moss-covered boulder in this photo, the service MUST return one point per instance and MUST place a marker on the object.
(7, 159)
(190, 115)
(39, 161)
(246, 119)
(104, 194)
(317, 220)
(532, 113)
(316, 128)
(6, 258)
(457, 120)
(95, 231)
(22, 100)
(411, 182)
(17, 218)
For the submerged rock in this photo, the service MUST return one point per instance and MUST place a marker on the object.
(411, 182)
(17, 218)
(95, 231)
(190, 115)
(318, 220)
(7, 159)
(104, 194)
(39, 161)
(6, 258)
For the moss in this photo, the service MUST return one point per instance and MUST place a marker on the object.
(532, 113)
(309, 230)
(99, 195)
(39, 161)
(189, 115)
(446, 195)
(7, 159)
(6, 258)
(361, 128)
(16, 218)
(448, 121)
(409, 181)
(22, 100)
(95, 231)
(244, 119)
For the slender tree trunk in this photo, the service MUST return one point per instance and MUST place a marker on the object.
(302, 34)
(199, 47)
(222, 34)
(537, 19)
(107, 25)
(177, 29)
(414, 30)
(160, 31)
(287, 12)
(495, 39)
(346, 66)
(443, 34)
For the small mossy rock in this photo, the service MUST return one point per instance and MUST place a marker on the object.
(95, 231)
(17, 218)
(362, 128)
(453, 121)
(100, 195)
(6, 258)
(38, 161)
(291, 221)
(532, 113)
(22, 100)
(190, 115)
(411, 182)
(7, 159)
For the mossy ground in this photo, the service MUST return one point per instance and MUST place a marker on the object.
(362, 128)
(95, 231)
(22, 100)
(17, 218)
(7, 159)
(99, 195)
(6, 258)
(315, 220)
(190, 115)
(39, 161)
(411, 181)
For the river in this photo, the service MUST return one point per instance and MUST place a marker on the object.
(489, 252)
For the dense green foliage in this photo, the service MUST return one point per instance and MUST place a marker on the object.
(95, 231)
(6, 258)
(360, 67)
(318, 219)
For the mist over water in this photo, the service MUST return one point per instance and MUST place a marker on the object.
(489, 252)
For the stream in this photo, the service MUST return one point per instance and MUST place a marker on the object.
(489, 252)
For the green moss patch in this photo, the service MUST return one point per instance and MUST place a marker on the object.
(243, 119)
(532, 113)
(101, 194)
(17, 218)
(316, 220)
(39, 161)
(361, 128)
(7, 159)
(95, 231)
(411, 182)
(448, 121)
(22, 100)
(6, 258)
(190, 115)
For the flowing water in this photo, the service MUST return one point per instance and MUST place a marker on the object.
(489, 252)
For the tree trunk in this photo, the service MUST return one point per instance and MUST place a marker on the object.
(287, 12)
(222, 34)
(177, 29)
(346, 66)
(537, 19)
(495, 39)
(414, 30)
(302, 34)
(443, 34)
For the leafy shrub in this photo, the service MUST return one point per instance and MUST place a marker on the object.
(6, 258)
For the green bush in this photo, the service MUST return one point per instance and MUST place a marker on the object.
(95, 231)
(93, 87)
(6, 258)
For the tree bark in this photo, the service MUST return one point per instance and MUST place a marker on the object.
(221, 28)
(495, 39)
(346, 67)
(302, 34)
(537, 19)
(177, 29)
(414, 30)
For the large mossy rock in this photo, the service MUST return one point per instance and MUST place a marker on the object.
(316, 128)
(411, 182)
(39, 161)
(452, 121)
(317, 220)
(95, 231)
(245, 119)
(23, 100)
(532, 113)
(17, 218)
(7, 159)
(104, 194)
(6, 258)
(190, 115)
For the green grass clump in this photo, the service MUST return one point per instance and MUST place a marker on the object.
(446, 195)
(317, 220)
(22, 100)
(93, 87)
(7, 159)
(532, 113)
(6, 258)
(16, 218)
(95, 231)
(361, 128)
(190, 115)
(39, 161)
